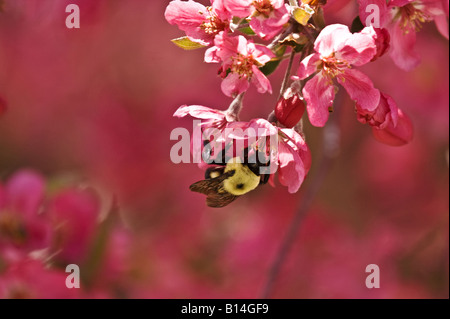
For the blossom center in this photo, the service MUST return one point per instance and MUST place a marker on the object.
(263, 7)
(12, 228)
(243, 65)
(410, 17)
(333, 67)
(314, 3)
(213, 24)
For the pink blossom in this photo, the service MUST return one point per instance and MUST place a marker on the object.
(74, 216)
(214, 117)
(396, 135)
(386, 113)
(200, 23)
(289, 110)
(211, 119)
(403, 18)
(241, 60)
(389, 124)
(382, 40)
(31, 279)
(21, 224)
(268, 17)
(337, 50)
(293, 156)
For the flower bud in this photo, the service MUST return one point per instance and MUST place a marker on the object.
(398, 135)
(289, 110)
(385, 113)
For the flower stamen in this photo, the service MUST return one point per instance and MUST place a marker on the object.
(263, 7)
(333, 67)
(243, 65)
(213, 24)
(411, 18)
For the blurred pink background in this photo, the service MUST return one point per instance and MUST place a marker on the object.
(94, 106)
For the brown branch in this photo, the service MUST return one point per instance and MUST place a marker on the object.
(331, 138)
(287, 74)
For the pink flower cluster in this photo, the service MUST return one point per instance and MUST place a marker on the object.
(240, 58)
(403, 19)
(329, 57)
(41, 234)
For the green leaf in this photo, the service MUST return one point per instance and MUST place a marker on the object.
(280, 50)
(247, 31)
(272, 65)
(186, 44)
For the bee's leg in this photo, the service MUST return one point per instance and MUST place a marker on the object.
(245, 155)
(264, 178)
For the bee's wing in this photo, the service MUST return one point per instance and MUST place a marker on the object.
(211, 185)
(213, 188)
(220, 200)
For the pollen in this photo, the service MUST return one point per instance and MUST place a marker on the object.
(263, 7)
(243, 65)
(213, 24)
(410, 17)
(333, 67)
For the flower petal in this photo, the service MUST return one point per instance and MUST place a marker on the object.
(386, 113)
(268, 27)
(189, 16)
(308, 66)
(291, 171)
(402, 48)
(442, 25)
(359, 48)
(24, 192)
(360, 88)
(399, 135)
(301, 146)
(211, 55)
(234, 84)
(319, 95)
(200, 112)
(261, 82)
(331, 39)
(239, 8)
(262, 54)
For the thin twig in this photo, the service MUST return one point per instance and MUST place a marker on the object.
(288, 74)
(330, 150)
(233, 111)
(281, 36)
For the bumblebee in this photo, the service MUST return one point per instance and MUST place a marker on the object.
(224, 183)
